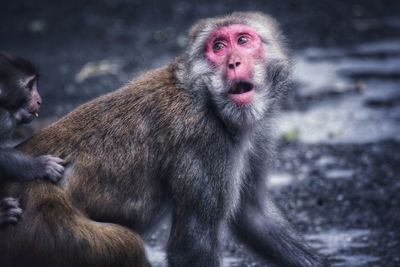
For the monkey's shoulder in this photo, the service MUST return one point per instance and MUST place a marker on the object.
(160, 90)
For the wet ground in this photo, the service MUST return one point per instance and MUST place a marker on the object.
(337, 171)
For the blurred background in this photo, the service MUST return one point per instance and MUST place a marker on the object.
(337, 170)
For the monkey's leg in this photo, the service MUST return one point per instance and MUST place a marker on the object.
(193, 240)
(260, 224)
(53, 233)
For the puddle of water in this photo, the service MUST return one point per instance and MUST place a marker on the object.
(325, 74)
(388, 46)
(317, 53)
(347, 119)
(231, 261)
(334, 242)
(325, 161)
(98, 68)
(349, 66)
(339, 174)
(317, 76)
(381, 90)
(354, 260)
(276, 180)
(158, 258)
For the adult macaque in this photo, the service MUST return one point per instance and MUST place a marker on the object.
(19, 103)
(194, 134)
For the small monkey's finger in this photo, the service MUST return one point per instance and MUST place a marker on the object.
(59, 168)
(55, 177)
(9, 199)
(56, 167)
(56, 159)
(15, 212)
(52, 159)
(57, 171)
(10, 202)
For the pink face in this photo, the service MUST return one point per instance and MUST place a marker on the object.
(30, 108)
(235, 49)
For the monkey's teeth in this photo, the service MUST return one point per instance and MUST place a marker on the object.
(36, 114)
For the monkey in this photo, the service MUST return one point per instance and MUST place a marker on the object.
(19, 103)
(193, 137)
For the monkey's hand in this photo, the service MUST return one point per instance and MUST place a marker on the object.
(10, 212)
(53, 170)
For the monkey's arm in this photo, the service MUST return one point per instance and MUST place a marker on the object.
(15, 165)
(260, 224)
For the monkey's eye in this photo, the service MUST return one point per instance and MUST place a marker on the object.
(218, 46)
(30, 84)
(243, 39)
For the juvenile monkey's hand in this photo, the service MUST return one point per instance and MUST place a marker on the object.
(10, 212)
(53, 170)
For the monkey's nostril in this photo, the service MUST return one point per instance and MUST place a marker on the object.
(39, 103)
(233, 65)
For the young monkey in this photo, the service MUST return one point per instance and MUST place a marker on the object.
(19, 103)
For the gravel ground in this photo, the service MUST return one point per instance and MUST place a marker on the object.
(338, 163)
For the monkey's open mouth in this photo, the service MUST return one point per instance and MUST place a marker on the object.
(241, 88)
(242, 93)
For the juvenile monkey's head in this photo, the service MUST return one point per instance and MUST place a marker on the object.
(240, 60)
(18, 87)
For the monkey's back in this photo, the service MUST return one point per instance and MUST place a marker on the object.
(145, 106)
(122, 142)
